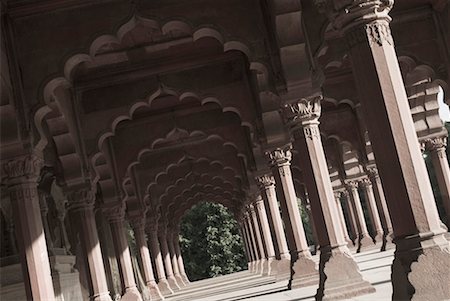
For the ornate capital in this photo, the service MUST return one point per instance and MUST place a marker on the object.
(375, 33)
(152, 226)
(372, 172)
(280, 156)
(137, 222)
(265, 181)
(337, 194)
(258, 201)
(81, 199)
(23, 168)
(365, 182)
(436, 144)
(305, 110)
(114, 214)
(351, 185)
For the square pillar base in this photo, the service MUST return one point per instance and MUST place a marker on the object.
(304, 273)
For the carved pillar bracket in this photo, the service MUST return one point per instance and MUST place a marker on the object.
(305, 113)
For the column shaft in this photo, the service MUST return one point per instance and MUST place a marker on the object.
(176, 244)
(374, 216)
(163, 285)
(162, 234)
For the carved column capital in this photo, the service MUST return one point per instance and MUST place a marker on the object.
(265, 181)
(372, 173)
(152, 226)
(351, 185)
(258, 201)
(23, 169)
(365, 182)
(436, 144)
(337, 194)
(280, 156)
(305, 110)
(81, 199)
(115, 214)
(137, 222)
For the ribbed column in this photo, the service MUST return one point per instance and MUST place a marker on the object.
(248, 243)
(255, 265)
(173, 258)
(162, 235)
(259, 243)
(436, 148)
(81, 206)
(116, 217)
(364, 240)
(163, 284)
(176, 244)
(366, 185)
(337, 197)
(21, 178)
(138, 225)
(303, 267)
(266, 235)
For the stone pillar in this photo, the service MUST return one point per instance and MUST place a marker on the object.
(21, 179)
(173, 258)
(248, 242)
(337, 197)
(352, 217)
(176, 244)
(303, 271)
(267, 188)
(61, 208)
(382, 207)
(419, 236)
(163, 284)
(162, 235)
(116, 217)
(255, 265)
(366, 185)
(138, 225)
(339, 274)
(44, 212)
(245, 243)
(264, 265)
(266, 236)
(364, 240)
(81, 206)
(436, 147)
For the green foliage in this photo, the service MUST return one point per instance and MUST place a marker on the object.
(210, 242)
(306, 223)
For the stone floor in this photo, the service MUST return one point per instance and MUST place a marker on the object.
(375, 267)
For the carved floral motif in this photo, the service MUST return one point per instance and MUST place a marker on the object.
(81, 199)
(280, 156)
(23, 167)
(265, 181)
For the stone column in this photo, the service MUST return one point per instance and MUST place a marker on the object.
(245, 243)
(264, 265)
(419, 236)
(163, 284)
(176, 244)
(162, 235)
(173, 258)
(337, 197)
(116, 217)
(303, 271)
(138, 225)
(364, 240)
(266, 236)
(81, 206)
(366, 185)
(352, 217)
(255, 265)
(267, 188)
(61, 208)
(21, 179)
(436, 147)
(339, 273)
(382, 207)
(248, 242)
(44, 213)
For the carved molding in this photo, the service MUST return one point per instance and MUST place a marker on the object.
(436, 144)
(81, 199)
(305, 110)
(22, 168)
(375, 33)
(280, 156)
(114, 214)
(265, 181)
(351, 185)
(365, 182)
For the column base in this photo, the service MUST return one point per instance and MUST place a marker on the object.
(365, 242)
(387, 241)
(420, 268)
(102, 297)
(272, 264)
(131, 294)
(257, 266)
(185, 279)
(164, 287)
(378, 238)
(304, 273)
(283, 269)
(155, 293)
(340, 277)
(180, 280)
(264, 267)
(173, 283)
